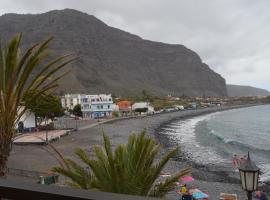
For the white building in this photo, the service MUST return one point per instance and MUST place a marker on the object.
(70, 100)
(27, 121)
(142, 105)
(97, 106)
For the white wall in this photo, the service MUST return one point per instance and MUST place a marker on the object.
(143, 105)
(28, 119)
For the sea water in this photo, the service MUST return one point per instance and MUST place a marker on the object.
(215, 138)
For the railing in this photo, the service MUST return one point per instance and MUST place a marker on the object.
(16, 190)
(26, 173)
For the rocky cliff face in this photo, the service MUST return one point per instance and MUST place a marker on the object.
(114, 61)
(245, 91)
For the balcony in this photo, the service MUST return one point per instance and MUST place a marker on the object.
(17, 190)
(101, 102)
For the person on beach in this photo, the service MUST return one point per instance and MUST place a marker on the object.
(184, 189)
(261, 195)
(235, 161)
(185, 193)
(242, 159)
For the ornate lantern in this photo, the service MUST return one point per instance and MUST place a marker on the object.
(249, 175)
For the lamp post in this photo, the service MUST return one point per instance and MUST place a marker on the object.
(46, 127)
(249, 175)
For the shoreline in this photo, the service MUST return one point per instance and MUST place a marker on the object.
(206, 174)
(210, 180)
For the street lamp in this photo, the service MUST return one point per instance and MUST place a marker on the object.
(46, 129)
(249, 175)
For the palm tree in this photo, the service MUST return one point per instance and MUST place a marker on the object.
(19, 74)
(131, 169)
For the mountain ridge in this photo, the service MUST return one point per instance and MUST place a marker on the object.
(115, 61)
(244, 90)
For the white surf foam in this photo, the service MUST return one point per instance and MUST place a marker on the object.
(265, 168)
(184, 134)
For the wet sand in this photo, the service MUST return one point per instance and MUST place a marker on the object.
(208, 178)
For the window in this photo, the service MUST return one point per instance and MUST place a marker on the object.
(93, 100)
(97, 107)
(97, 99)
(84, 100)
(108, 106)
(101, 107)
(110, 99)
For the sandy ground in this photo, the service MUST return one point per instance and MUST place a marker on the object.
(211, 180)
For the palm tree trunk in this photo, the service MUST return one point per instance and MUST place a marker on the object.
(3, 164)
(5, 148)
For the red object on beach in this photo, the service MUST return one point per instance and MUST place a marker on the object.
(187, 179)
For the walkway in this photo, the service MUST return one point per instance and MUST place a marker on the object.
(39, 137)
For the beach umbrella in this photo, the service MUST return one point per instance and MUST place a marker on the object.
(199, 195)
(187, 179)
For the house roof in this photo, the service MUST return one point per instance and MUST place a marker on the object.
(124, 103)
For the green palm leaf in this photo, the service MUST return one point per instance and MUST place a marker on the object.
(130, 169)
(17, 79)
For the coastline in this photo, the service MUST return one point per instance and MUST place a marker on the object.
(208, 178)
(211, 178)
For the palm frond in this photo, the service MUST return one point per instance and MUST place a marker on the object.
(129, 169)
(76, 173)
(161, 189)
(17, 77)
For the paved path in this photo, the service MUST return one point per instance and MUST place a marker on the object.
(39, 137)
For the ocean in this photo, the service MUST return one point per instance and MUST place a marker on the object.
(214, 138)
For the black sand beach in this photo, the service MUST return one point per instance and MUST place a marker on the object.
(210, 179)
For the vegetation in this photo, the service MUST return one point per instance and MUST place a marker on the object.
(17, 79)
(147, 96)
(159, 102)
(44, 106)
(77, 110)
(130, 169)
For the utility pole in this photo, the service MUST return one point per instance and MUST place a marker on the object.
(46, 127)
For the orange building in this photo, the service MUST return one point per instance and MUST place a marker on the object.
(124, 106)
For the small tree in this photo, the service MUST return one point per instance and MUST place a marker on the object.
(77, 110)
(44, 106)
(131, 169)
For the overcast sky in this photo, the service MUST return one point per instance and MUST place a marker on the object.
(231, 36)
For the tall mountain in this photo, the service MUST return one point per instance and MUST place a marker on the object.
(112, 60)
(239, 90)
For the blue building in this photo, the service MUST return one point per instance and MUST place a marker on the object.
(97, 106)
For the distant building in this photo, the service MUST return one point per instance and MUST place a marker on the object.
(27, 122)
(124, 106)
(143, 105)
(193, 105)
(97, 106)
(70, 100)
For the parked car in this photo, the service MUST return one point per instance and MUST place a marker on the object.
(179, 107)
